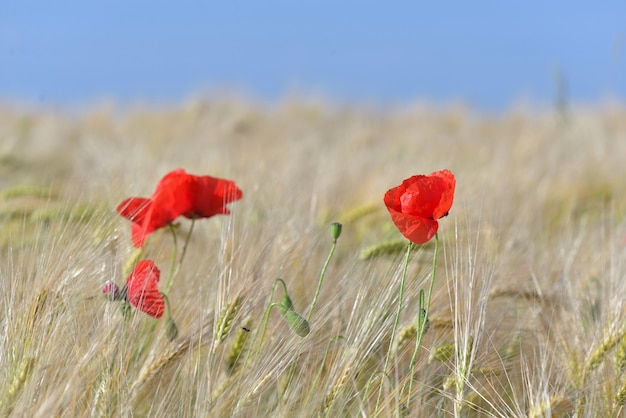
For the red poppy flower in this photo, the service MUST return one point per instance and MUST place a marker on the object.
(142, 289)
(178, 194)
(418, 202)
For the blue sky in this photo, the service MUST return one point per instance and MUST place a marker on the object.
(489, 54)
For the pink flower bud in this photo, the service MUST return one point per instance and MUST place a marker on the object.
(111, 290)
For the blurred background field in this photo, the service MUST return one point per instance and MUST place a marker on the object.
(531, 277)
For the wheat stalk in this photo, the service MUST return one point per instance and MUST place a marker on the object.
(599, 354)
(225, 320)
(383, 248)
(159, 365)
(237, 347)
(17, 384)
(337, 388)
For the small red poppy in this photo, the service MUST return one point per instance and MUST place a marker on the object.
(178, 194)
(418, 202)
(142, 289)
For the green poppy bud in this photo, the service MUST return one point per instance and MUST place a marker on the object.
(297, 323)
(335, 230)
(171, 330)
(286, 304)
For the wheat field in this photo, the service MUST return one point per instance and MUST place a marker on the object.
(527, 316)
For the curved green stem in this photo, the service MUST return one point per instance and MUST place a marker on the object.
(319, 283)
(167, 305)
(397, 318)
(266, 315)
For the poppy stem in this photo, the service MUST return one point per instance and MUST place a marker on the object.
(182, 255)
(175, 267)
(421, 324)
(266, 316)
(396, 320)
(171, 273)
(167, 304)
(322, 274)
(171, 330)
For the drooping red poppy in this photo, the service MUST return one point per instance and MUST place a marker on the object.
(178, 194)
(417, 204)
(142, 289)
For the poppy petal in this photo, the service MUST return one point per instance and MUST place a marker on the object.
(171, 198)
(134, 208)
(392, 198)
(210, 196)
(142, 289)
(416, 229)
(447, 184)
(138, 234)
